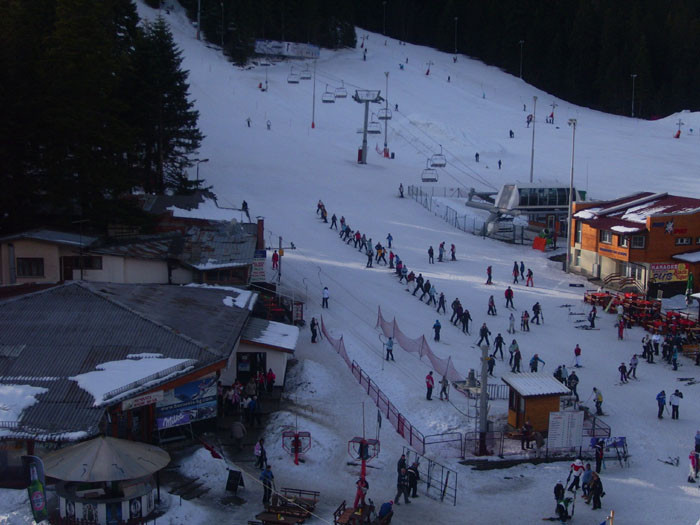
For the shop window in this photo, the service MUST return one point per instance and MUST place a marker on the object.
(697, 241)
(683, 241)
(623, 241)
(606, 237)
(638, 242)
(578, 231)
(30, 267)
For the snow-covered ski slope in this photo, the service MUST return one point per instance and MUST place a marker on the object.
(284, 171)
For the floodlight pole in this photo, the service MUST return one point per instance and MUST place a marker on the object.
(532, 153)
(313, 102)
(634, 76)
(572, 123)
(483, 401)
(386, 113)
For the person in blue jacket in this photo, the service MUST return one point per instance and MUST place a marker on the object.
(661, 401)
(386, 509)
(534, 363)
(437, 326)
(267, 478)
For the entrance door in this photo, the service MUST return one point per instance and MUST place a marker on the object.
(248, 364)
(67, 266)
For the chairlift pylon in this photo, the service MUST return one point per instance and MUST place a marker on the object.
(384, 114)
(429, 174)
(292, 78)
(341, 92)
(438, 160)
(328, 96)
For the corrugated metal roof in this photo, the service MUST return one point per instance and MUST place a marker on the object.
(158, 247)
(228, 245)
(68, 330)
(530, 384)
(53, 236)
(271, 333)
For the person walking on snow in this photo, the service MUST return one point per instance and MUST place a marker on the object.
(633, 367)
(591, 316)
(260, 454)
(577, 469)
(441, 251)
(314, 329)
(529, 281)
(390, 348)
(431, 255)
(511, 350)
(429, 384)
(573, 384)
(267, 478)
(465, 318)
(334, 222)
(325, 296)
(275, 260)
(402, 487)
(511, 324)
(492, 306)
(661, 402)
(391, 260)
(517, 357)
(599, 454)
(623, 372)
(413, 477)
(675, 401)
(484, 334)
(455, 313)
(577, 356)
(620, 330)
(525, 321)
(509, 298)
(426, 290)
(522, 270)
(389, 238)
(444, 388)
(404, 273)
(598, 399)
(488, 275)
(516, 272)
(453, 252)
(534, 363)
(431, 295)
(441, 303)
(498, 343)
(437, 328)
(536, 312)
(419, 284)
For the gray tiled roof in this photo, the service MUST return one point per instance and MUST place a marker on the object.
(53, 236)
(68, 330)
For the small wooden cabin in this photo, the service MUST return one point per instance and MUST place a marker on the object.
(533, 396)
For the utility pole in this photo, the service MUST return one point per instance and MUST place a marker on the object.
(521, 58)
(313, 101)
(634, 76)
(483, 401)
(280, 251)
(199, 16)
(365, 96)
(386, 113)
(532, 153)
(572, 123)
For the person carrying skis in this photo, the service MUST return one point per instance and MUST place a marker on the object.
(661, 402)
(534, 363)
(492, 306)
(390, 348)
(525, 321)
(572, 383)
(437, 326)
(484, 334)
(623, 372)
(426, 290)
(633, 366)
(489, 275)
(498, 343)
(429, 384)
(511, 324)
(536, 312)
(516, 272)
(577, 356)
(465, 318)
(517, 357)
(598, 399)
(444, 389)
(675, 401)
(431, 254)
(441, 303)
(577, 469)
(453, 253)
(529, 281)
(419, 284)
(389, 238)
(334, 222)
(314, 329)
(509, 297)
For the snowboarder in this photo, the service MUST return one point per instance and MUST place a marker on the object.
(431, 253)
(334, 222)
(484, 334)
(573, 383)
(536, 312)
(577, 356)
(314, 329)
(623, 372)
(675, 401)
(441, 303)
(389, 238)
(529, 281)
(465, 318)
(444, 389)
(390, 348)
(429, 384)
(402, 487)
(488, 276)
(275, 260)
(419, 284)
(413, 477)
(534, 363)
(509, 297)
(267, 478)
(453, 252)
(661, 402)
(437, 326)
(498, 343)
(492, 306)
(511, 324)
(633, 367)
(577, 470)
(325, 296)
(598, 399)
(516, 272)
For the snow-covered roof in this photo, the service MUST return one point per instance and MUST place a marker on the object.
(691, 257)
(207, 209)
(530, 384)
(53, 236)
(271, 333)
(14, 399)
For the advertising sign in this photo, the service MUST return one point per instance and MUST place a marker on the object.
(35, 487)
(286, 49)
(668, 272)
(565, 429)
(257, 274)
(141, 401)
(193, 401)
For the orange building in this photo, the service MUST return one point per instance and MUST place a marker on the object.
(648, 241)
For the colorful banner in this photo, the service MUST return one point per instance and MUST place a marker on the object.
(668, 272)
(35, 487)
(187, 403)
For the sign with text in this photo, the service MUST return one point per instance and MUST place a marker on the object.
(187, 403)
(286, 49)
(668, 272)
(257, 273)
(565, 429)
(143, 400)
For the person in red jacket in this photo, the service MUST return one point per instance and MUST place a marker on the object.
(270, 380)
(429, 384)
(275, 260)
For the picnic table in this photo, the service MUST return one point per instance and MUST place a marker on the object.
(597, 298)
(274, 518)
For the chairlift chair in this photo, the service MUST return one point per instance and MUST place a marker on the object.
(438, 160)
(373, 127)
(361, 448)
(384, 114)
(292, 78)
(328, 96)
(341, 92)
(429, 174)
(305, 74)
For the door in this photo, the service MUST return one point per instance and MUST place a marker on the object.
(248, 364)
(67, 266)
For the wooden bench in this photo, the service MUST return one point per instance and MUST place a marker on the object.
(271, 518)
(344, 515)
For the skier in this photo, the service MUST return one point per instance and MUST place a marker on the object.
(492, 306)
(534, 363)
(633, 367)
(488, 276)
(511, 324)
(675, 401)
(484, 333)
(426, 290)
(248, 121)
(499, 164)
(509, 297)
(511, 134)
(623, 372)
(389, 238)
(400, 184)
(441, 303)
(498, 343)
(404, 273)
(529, 281)
(431, 254)
(413, 477)
(491, 363)
(390, 348)
(444, 388)
(576, 469)
(275, 260)
(419, 284)
(516, 272)
(511, 350)
(522, 270)
(577, 356)
(437, 326)
(441, 251)
(429, 384)
(314, 329)
(599, 454)
(431, 295)
(591, 316)
(573, 383)
(525, 321)
(334, 222)
(391, 260)
(453, 252)
(517, 357)
(465, 318)
(536, 312)
(325, 296)
(455, 314)
(598, 398)
(596, 491)
(370, 256)
(402, 487)
(661, 402)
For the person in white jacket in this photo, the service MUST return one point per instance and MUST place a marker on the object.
(325, 295)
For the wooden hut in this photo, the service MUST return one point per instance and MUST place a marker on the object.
(533, 396)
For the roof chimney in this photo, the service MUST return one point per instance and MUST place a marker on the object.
(261, 234)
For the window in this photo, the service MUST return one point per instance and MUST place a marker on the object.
(577, 257)
(606, 237)
(30, 267)
(562, 197)
(578, 231)
(697, 241)
(683, 241)
(623, 241)
(638, 242)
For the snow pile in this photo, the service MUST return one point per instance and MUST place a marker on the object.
(15, 508)
(201, 464)
(14, 399)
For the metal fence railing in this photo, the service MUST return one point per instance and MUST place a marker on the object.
(436, 480)
(494, 443)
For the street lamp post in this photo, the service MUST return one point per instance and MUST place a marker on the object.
(199, 161)
(521, 58)
(569, 238)
(456, 18)
(634, 76)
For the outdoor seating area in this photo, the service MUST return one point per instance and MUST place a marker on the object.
(290, 506)
(345, 515)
